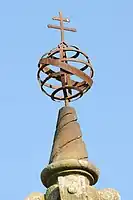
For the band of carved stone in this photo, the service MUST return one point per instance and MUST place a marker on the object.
(92, 193)
(69, 189)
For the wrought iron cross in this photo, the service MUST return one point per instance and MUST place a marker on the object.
(73, 81)
(61, 27)
(65, 77)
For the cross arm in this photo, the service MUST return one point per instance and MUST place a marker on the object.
(64, 28)
(64, 19)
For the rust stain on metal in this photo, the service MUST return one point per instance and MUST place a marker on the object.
(66, 82)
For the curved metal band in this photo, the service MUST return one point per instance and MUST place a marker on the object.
(67, 67)
(79, 94)
(81, 61)
(77, 52)
(51, 74)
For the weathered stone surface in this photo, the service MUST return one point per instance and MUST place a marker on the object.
(68, 137)
(36, 196)
(75, 187)
(52, 193)
(78, 166)
(68, 151)
(69, 175)
(109, 194)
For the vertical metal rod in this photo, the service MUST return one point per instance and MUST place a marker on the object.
(63, 78)
(61, 26)
(66, 102)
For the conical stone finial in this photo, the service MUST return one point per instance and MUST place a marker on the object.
(69, 174)
(68, 151)
(68, 142)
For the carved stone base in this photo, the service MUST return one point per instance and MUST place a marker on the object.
(76, 187)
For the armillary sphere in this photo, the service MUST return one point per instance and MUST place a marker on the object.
(61, 72)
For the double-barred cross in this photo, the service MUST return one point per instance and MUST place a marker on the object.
(61, 27)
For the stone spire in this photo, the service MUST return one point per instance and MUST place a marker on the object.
(69, 155)
(69, 174)
(68, 142)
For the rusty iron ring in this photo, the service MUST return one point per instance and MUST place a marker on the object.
(87, 64)
(74, 83)
(70, 69)
(43, 83)
(56, 75)
(53, 75)
(79, 87)
(66, 49)
(82, 87)
(80, 61)
(78, 95)
(73, 60)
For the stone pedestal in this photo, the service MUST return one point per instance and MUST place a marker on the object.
(69, 174)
